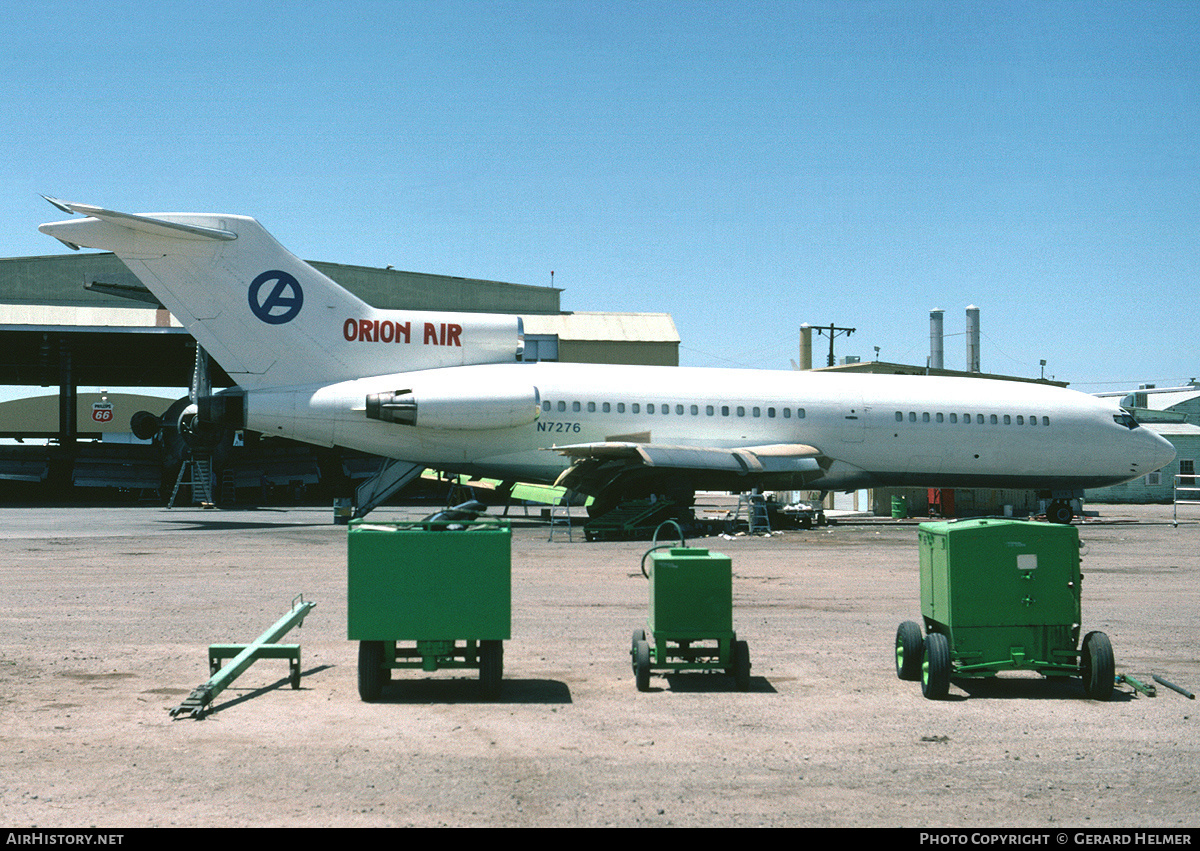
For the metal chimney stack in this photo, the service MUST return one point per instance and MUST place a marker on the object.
(973, 339)
(936, 359)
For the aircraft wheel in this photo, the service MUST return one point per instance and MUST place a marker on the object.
(1097, 666)
(641, 665)
(935, 667)
(1059, 511)
(638, 635)
(909, 645)
(491, 668)
(370, 670)
(741, 665)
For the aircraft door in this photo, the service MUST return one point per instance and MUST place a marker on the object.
(852, 426)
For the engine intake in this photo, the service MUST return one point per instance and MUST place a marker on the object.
(483, 409)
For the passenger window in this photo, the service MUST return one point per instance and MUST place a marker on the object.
(994, 419)
(940, 417)
(709, 410)
(770, 413)
(650, 408)
(757, 412)
(562, 406)
(925, 417)
(575, 407)
(799, 413)
(1007, 419)
(1020, 420)
(1045, 421)
(546, 406)
(787, 413)
(912, 416)
(606, 407)
(954, 418)
(724, 410)
(620, 407)
(695, 410)
(741, 410)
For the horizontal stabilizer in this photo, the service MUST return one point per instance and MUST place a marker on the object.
(142, 224)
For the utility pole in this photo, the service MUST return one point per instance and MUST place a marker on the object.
(834, 331)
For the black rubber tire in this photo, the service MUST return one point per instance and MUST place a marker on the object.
(370, 670)
(491, 668)
(741, 665)
(731, 669)
(1096, 666)
(910, 646)
(638, 635)
(641, 665)
(1059, 511)
(935, 667)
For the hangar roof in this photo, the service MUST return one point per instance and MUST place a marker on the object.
(587, 325)
(89, 312)
(885, 368)
(102, 280)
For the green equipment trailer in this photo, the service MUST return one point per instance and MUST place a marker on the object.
(445, 589)
(1001, 595)
(691, 618)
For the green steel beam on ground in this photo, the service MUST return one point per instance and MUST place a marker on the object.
(202, 697)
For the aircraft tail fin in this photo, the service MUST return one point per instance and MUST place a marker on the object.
(269, 318)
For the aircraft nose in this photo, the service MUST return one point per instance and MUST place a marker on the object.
(1157, 451)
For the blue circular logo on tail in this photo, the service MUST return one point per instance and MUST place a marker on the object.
(278, 303)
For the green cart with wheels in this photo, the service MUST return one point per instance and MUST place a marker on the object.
(429, 595)
(1000, 595)
(691, 618)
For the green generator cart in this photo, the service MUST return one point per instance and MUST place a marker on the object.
(1001, 595)
(691, 618)
(445, 589)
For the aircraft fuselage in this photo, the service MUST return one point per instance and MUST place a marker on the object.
(878, 430)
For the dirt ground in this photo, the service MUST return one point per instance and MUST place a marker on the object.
(106, 614)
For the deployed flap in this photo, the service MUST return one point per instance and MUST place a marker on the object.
(603, 461)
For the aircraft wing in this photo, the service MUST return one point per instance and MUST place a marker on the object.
(596, 465)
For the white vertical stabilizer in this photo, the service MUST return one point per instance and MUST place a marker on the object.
(268, 317)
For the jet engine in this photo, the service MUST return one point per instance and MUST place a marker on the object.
(483, 408)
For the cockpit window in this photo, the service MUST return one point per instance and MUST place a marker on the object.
(1126, 420)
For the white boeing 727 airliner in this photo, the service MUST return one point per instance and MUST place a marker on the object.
(445, 390)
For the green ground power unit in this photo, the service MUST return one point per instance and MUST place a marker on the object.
(691, 617)
(1001, 595)
(447, 592)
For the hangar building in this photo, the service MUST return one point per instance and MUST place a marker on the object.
(1173, 412)
(85, 320)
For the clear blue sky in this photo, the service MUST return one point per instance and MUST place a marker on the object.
(743, 166)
